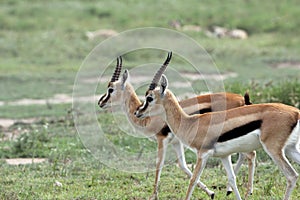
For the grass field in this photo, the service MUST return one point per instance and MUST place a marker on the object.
(42, 46)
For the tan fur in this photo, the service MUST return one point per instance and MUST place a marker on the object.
(152, 126)
(201, 132)
(197, 125)
(218, 101)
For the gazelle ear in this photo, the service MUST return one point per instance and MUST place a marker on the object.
(124, 79)
(163, 85)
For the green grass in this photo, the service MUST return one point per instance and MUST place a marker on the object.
(87, 179)
(84, 177)
(287, 92)
(43, 44)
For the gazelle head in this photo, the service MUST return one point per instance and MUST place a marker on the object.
(115, 87)
(154, 95)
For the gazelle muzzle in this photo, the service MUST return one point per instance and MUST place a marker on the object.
(139, 113)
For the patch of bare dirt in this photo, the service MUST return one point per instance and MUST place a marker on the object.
(57, 99)
(178, 84)
(217, 77)
(24, 161)
(286, 64)
(6, 123)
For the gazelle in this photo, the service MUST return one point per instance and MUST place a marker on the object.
(121, 92)
(274, 127)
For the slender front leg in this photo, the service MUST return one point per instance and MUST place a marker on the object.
(161, 152)
(231, 176)
(236, 169)
(251, 169)
(201, 162)
(179, 149)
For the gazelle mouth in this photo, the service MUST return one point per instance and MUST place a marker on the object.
(139, 115)
(103, 105)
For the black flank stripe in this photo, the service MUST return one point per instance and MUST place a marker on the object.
(294, 125)
(240, 131)
(165, 130)
(202, 111)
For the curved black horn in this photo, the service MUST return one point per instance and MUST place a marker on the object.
(160, 71)
(118, 69)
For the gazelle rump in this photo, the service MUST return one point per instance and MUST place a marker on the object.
(121, 92)
(274, 127)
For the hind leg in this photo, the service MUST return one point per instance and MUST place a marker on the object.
(226, 161)
(237, 167)
(251, 169)
(284, 165)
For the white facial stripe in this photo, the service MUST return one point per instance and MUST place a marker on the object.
(144, 106)
(105, 97)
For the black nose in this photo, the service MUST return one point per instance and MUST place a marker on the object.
(100, 104)
(138, 115)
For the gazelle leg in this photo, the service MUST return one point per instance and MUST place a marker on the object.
(201, 162)
(251, 169)
(179, 149)
(239, 163)
(161, 152)
(251, 156)
(287, 169)
(231, 176)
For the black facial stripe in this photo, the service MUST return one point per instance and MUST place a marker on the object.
(107, 96)
(202, 111)
(240, 131)
(145, 106)
(102, 97)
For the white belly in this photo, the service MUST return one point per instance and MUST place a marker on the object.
(246, 143)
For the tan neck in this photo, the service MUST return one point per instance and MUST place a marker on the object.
(130, 103)
(175, 116)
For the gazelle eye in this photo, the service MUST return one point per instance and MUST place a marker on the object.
(110, 90)
(149, 99)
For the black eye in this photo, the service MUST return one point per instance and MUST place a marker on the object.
(149, 99)
(110, 90)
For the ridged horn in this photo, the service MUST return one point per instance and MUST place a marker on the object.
(159, 72)
(118, 69)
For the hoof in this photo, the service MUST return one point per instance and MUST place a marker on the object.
(228, 193)
(212, 196)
